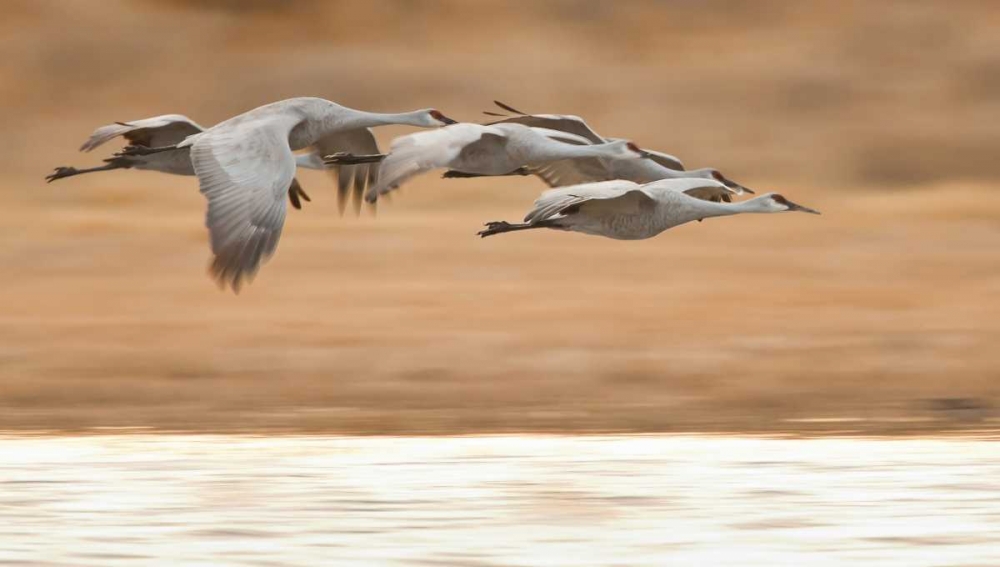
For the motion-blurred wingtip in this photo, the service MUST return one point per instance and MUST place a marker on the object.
(509, 108)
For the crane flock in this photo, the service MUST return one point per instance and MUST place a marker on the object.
(246, 169)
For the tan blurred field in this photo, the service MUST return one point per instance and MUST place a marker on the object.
(880, 316)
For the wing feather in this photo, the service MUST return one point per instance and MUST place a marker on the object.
(572, 172)
(561, 122)
(552, 203)
(704, 189)
(157, 131)
(244, 170)
(666, 160)
(417, 153)
(352, 180)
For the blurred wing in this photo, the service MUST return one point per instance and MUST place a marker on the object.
(155, 132)
(666, 160)
(351, 179)
(245, 170)
(417, 153)
(704, 189)
(561, 136)
(617, 195)
(716, 194)
(572, 172)
(563, 123)
(485, 148)
(296, 194)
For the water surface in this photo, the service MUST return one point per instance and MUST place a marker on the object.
(497, 501)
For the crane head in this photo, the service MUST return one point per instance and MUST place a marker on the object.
(639, 152)
(778, 203)
(436, 118)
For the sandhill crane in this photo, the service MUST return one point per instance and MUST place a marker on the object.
(245, 165)
(475, 149)
(625, 210)
(162, 131)
(562, 173)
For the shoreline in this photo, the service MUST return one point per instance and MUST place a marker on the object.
(250, 423)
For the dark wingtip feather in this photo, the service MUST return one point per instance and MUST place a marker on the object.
(293, 194)
(361, 178)
(343, 176)
(508, 108)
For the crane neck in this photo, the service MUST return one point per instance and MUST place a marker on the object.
(368, 119)
(755, 205)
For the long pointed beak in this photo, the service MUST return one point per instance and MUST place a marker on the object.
(447, 120)
(794, 207)
(644, 154)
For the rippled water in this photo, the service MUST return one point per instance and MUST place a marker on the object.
(492, 501)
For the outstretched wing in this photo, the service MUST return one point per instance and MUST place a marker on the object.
(351, 179)
(575, 125)
(613, 196)
(154, 132)
(666, 160)
(572, 172)
(704, 189)
(245, 169)
(563, 122)
(560, 122)
(417, 153)
(715, 194)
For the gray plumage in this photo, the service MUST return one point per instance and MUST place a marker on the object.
(245, 165)
(160, 131)
(625, 210)
(476, 149)
(658, 166)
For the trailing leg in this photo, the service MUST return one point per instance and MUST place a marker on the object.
(62, 172)
(455, 174)
(344, 158)
(144, 150)
(498, 227)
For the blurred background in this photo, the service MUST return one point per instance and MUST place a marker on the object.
(878, 317)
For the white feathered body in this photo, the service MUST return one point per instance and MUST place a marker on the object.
(160, 131)
(176, 162)
(308, 119)
(157, 131)
(478, 149)
(625, 210)
(246, 163)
